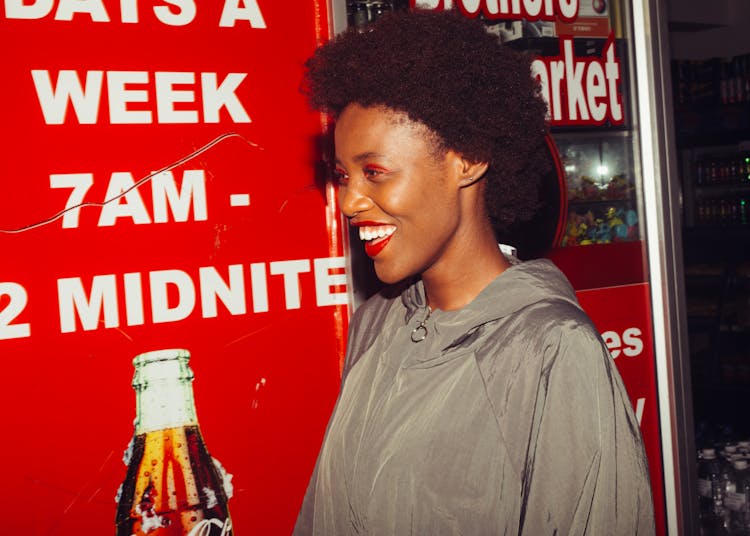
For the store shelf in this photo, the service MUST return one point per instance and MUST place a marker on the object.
(712, 125)
(718, 313)
(711, 101)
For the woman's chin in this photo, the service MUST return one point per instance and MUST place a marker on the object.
(389, 276)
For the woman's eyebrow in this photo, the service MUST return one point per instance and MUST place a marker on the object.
(362, 156)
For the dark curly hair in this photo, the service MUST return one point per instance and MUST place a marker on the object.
(449, 73)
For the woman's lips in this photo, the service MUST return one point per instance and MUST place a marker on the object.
(375, 236)
(373, 247)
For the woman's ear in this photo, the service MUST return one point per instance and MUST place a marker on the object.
(472, 172)
(465, 172)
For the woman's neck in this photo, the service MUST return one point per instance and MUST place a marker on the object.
(458, 281)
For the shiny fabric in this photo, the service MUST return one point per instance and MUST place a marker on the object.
(508, 418)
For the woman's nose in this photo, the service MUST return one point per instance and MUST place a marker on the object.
(352, 200)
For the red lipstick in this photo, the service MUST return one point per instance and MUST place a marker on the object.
(373, 247)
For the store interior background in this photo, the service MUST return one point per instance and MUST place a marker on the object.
(710, 44)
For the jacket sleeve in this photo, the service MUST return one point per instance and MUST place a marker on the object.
(363, 328)
(578, 448)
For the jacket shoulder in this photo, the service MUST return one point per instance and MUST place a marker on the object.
(367, 323)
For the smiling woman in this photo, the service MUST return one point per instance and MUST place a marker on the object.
(477, 397)
(413, 204)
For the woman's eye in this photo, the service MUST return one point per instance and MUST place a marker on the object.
(372, 172)
(340, 176)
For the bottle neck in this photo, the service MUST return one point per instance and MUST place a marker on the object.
(163, 404)
(164, 391)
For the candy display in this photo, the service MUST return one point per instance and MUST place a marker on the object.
(601, 226)
(601, 193)
(585, 188)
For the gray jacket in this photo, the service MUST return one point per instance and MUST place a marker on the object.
(508, 418)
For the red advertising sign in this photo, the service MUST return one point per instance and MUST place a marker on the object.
(159, 192)
(623, 316)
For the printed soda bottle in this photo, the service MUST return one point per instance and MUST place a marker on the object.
(173, 487)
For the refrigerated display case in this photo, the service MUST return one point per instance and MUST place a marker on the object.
(712, 123)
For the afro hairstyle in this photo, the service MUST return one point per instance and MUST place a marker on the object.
(449, 73)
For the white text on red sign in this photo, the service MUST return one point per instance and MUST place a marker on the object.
(581, 90)
(112, 300)
(169, 12)
(168, 198)
(566, 10)
(168, 97)
(628, 344)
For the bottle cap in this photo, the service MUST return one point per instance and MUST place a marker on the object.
(709, 453)
(740, 464)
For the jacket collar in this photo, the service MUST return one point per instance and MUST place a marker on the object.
(517, 287)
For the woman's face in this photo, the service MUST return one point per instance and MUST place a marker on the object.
(398, 190)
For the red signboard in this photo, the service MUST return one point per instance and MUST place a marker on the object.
(618, 301)
(622, 315)
(159, 191)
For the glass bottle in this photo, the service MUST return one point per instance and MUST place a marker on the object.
(379, 9)
(360, 16)
(738, 499)
(710, 495)
(173, 487)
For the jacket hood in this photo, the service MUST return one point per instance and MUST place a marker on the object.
(518, 286)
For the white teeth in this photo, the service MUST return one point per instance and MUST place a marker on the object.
(376, 231)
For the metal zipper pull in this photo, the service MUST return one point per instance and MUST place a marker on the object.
(419, 333)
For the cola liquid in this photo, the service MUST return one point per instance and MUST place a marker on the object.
(172, 488)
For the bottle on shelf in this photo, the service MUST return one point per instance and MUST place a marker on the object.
(737, 498)
(361, 13)
(358, 15)
(378, 9)
(711, 507)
